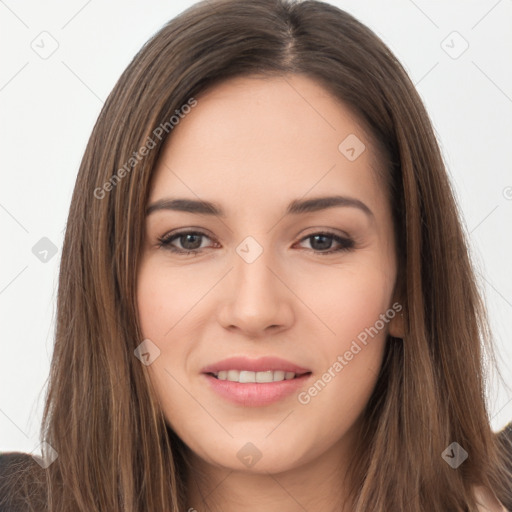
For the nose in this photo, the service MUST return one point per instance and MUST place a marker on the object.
(257, 299)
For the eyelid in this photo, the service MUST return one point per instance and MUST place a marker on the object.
(315, 230)
(164, 241)
(347, 243)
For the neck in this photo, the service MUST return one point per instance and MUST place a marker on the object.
(318, 484)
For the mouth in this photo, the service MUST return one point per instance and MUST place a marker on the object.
(247, 369)
(249, 382)
(260, 377)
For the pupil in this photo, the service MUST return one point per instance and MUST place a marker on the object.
(327, 241)
(196, 246)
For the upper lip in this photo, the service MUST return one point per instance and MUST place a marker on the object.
(260, 364)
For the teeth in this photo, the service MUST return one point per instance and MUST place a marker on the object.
(244, 376)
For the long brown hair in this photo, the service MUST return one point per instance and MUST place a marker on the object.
(115, 451)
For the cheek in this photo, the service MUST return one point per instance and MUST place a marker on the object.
(351, 300)
(165, 297)
(159, 311)
(152, 297)
(357, 310)
(165, 301)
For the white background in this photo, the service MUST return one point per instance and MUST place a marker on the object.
(48, 108)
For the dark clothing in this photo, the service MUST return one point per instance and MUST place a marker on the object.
(10, 463)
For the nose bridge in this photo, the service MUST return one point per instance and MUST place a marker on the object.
(256, 275)
(253, 278)
(256, 298)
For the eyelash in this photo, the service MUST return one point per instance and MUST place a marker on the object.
(347, 244)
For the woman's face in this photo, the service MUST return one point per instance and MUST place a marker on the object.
(259, 283)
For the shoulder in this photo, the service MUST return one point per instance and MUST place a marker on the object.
(10, 459)
(505, 435)
(487, 501)
(12, 465)
(12, 462)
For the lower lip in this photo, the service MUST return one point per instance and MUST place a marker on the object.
(256, 394)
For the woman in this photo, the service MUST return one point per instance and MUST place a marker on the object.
(321, 347)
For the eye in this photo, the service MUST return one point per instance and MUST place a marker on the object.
(191, 242)
(322, 241)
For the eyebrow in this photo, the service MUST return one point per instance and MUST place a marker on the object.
(296, 207)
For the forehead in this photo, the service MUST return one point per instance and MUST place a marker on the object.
(259, 138)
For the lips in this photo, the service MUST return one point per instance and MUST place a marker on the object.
(249, 390)
(262, 364)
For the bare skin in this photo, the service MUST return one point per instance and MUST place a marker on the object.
(254, 145)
